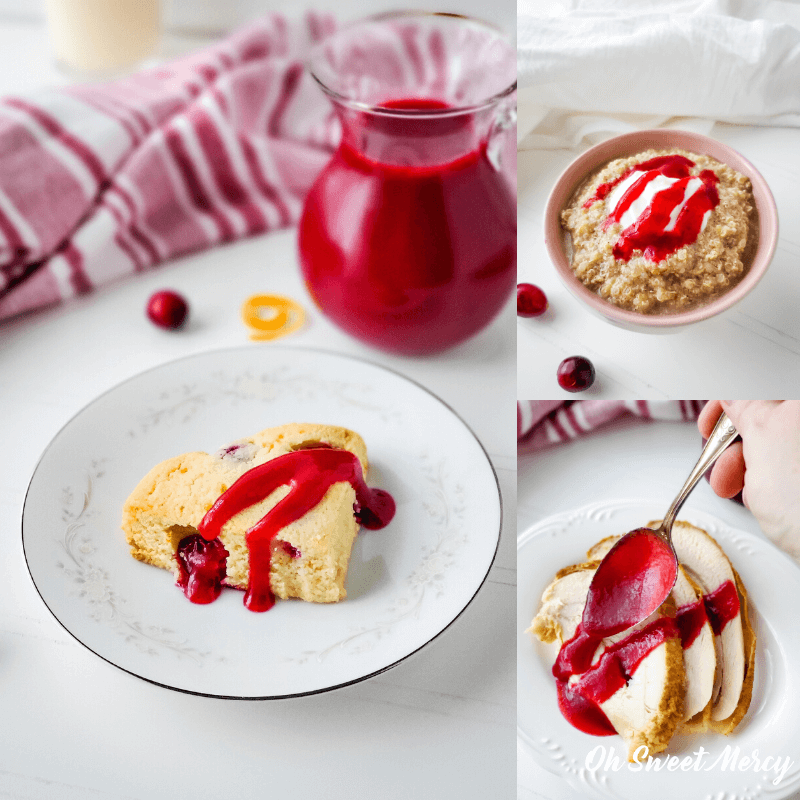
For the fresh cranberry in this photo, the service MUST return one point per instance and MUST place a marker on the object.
(531, 300)
(167, 309)
(290, 549)
(575, 374)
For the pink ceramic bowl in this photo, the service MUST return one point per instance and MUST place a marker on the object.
(556, 239)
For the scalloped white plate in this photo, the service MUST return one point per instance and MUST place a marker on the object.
(771, 726)
(405, 585)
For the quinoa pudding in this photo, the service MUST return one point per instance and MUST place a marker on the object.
(662, 231)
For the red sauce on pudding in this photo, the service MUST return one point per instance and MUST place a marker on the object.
(410, 258)
(632, 581)
(309, 473)
(661, 229)
(722, 606)
(579, 701)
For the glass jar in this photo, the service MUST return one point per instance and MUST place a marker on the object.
(408, 237)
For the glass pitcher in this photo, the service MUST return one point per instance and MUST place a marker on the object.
(408, 237)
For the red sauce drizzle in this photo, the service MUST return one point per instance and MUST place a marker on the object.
(309, 473)
(718, 608)
(648, 233)
(691, 618)
(604, 189)
(668, 166)
(580, 701)
(722, 606)
(581, 713)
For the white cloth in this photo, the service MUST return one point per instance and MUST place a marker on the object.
(590, 68)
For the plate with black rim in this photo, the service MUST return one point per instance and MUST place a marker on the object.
(405, 585)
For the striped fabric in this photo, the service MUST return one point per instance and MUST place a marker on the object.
(542, 423)
(102, 181)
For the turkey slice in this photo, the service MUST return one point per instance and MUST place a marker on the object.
(648, 709)
(706, 563)
(699, 659)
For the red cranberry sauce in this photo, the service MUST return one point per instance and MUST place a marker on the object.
(673, 218)
(722, 606)
(631, 582)
(580, 700)
(309, 473)
(581, 713)
(669, 166)
(691, 618)
(717, 608)
(415, 104)
(408, 238)
(202, 566)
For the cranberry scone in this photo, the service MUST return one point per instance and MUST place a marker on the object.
(274, 514)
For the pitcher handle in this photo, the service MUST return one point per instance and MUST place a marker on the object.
(505, 118)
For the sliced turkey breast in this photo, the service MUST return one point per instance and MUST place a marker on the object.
(645, 710)
(726, 602)
(699, 657)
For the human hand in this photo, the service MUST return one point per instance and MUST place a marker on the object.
(766, 463)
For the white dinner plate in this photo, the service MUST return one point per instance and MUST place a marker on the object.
(406, 583)
(771, 727)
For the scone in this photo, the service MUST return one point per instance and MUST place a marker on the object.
(274, 514)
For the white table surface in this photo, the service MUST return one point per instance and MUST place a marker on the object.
(439, 725)
(752, 351)
(555, 480)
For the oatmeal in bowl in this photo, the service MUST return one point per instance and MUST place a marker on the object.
(657, 229)
(661, 231)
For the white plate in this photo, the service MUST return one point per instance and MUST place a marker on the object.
(406, 583)
(771, 726)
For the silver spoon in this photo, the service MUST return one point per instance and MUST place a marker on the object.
(638, 573)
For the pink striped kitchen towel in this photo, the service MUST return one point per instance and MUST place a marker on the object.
(542, 423)
(101, 181)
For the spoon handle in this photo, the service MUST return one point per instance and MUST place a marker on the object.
(723, 435)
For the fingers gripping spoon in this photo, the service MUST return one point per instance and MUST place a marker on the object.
(638, 573)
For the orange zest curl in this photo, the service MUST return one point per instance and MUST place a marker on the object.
(270, 316)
